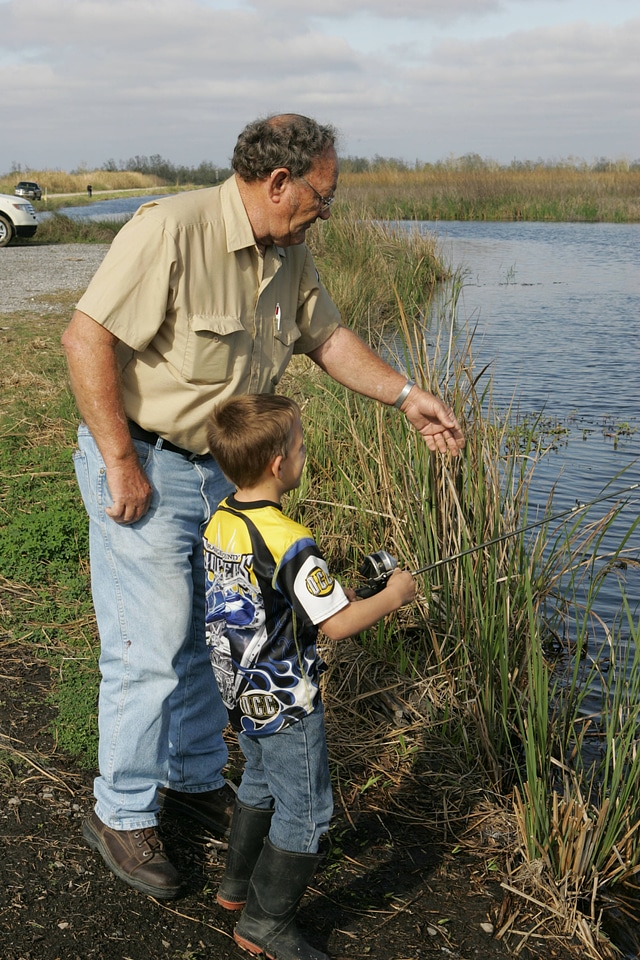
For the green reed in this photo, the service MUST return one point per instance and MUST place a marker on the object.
(582, 809)
(485, 633)
(371, 483)
(368, 268)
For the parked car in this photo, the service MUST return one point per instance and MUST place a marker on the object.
(28, 189)
(17, 219)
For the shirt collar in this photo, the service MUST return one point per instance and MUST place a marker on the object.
(236, 221)
(239, 232)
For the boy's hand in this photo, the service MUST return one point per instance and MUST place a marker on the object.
(403, 585)
(359, 616)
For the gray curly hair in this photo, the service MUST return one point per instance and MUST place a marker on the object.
(282, 140)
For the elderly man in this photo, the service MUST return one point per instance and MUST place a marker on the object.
(201, 296)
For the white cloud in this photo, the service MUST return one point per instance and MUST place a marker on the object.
(547, 93)
(87, 80)
(434, 10)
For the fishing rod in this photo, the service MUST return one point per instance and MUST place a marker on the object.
(377, 567)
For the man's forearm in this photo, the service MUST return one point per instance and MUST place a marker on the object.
(95, 380)
(347, 359)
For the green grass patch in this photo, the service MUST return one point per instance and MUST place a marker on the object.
(61, 229)
(43, 526)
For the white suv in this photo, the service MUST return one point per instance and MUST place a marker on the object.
(17, 219)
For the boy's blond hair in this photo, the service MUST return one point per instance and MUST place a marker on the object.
(246, 433)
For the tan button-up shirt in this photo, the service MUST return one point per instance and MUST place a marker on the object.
(199, 313)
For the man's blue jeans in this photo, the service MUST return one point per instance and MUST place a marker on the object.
(160, 715)
(289, 772)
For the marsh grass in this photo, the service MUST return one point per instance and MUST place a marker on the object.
(489, 192)
(463, 189)
(369, 268)
(61, 229)
(481, 643)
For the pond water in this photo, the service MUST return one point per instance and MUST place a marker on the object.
(556, 310)
(120, 208)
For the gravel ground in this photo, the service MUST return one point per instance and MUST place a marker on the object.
(28, 273)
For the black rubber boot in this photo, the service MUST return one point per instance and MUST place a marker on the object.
(249, 827)
(268, 923)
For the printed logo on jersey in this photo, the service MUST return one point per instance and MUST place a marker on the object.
(319, 582)
(259, 706)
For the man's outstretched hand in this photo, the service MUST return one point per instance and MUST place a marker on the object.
(435, 421)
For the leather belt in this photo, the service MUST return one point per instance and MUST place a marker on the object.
(138, 433)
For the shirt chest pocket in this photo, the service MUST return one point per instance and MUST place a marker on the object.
(214, 346)
(284, 338)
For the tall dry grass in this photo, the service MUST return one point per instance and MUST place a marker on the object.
(496, 193)
(447, 191)
(59, 181)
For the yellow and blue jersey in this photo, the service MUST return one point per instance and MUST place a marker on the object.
(268, 587)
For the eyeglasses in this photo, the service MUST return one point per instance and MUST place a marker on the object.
(325, 202)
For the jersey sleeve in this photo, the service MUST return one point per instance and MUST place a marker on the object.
(304, 577)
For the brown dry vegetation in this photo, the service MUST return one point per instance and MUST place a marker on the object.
(59, 181)
(560, 193)
(452, 190)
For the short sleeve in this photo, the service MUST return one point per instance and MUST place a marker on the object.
(304, 577)
(131, 292)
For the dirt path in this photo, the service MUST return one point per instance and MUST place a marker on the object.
(389, 889)
(29, 273)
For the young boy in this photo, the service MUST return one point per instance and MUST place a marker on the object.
(268, 591)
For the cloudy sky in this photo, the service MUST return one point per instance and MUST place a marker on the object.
(85, 81)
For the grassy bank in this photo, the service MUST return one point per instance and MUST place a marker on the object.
(465, 711)
(465, 189)
(561, 193)
(61, 229)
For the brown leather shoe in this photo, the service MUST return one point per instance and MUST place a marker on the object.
(135, 856)
(213, 808)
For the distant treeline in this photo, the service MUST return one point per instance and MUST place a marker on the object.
(207, 172)
(473, 161)
(157, 166)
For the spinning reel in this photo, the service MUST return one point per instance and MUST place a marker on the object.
(376, 568)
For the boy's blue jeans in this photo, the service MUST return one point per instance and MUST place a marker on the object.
(160, 715)
(289, 772)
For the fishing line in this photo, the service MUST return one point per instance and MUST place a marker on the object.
(577, 508)
(377, 567)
